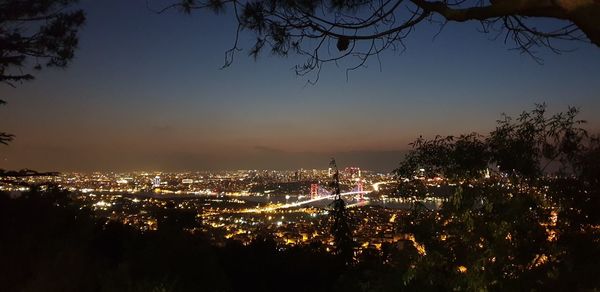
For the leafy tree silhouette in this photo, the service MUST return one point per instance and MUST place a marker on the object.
(340, 229)
(48, 243)
(526, 226)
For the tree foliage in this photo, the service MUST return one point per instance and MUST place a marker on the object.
(48, 243)
(36, 34)
(328, 31)
(455, 157)
(528, 146)
(530, 225)
(340, 229)
(5, 137)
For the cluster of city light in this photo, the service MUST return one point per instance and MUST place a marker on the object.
(224, 202)
(300, 203)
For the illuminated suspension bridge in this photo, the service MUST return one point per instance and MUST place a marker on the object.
(317, 193)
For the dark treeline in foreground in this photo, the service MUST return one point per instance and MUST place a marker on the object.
(49, 244)
(529, 223)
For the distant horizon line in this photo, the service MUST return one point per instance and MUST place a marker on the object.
(185, 171)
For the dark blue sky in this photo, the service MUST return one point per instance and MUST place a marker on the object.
(145, 92)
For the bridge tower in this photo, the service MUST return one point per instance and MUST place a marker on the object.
(314, 191)
(360, 188)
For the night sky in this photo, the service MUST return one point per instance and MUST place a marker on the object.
(145, 92)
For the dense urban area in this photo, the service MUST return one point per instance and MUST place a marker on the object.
(239, 205)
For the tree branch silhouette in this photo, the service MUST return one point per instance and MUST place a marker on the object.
(36, 34)
(365, 28)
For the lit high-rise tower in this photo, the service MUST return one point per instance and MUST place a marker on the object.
(156, 182)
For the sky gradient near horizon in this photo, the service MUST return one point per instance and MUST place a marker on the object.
(146, 92)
